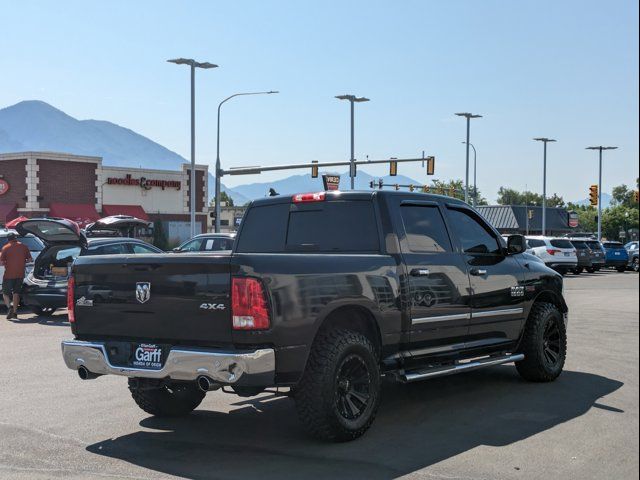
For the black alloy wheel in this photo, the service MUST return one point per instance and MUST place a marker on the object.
(353, 387)
(551, 343)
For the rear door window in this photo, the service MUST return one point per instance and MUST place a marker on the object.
(217, 244)
(560, 243)
(425, 229)
(579, 245)
(192, 246)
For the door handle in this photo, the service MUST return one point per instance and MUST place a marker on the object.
(419, 272)
(478, 272)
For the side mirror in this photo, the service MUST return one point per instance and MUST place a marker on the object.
(516, 244)
(176, 250)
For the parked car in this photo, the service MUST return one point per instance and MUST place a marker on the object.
(583, 253)
(45, 288)
(207, 242)
(324, 293)
(557, 253)
(616, 256)
(34, 245)
(597, 254)
(632, 251)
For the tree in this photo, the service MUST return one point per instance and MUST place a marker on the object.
(555, 201)
(160, 236)
(510, 196)
(224, 197)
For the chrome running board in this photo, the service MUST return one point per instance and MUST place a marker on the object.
(416, 375)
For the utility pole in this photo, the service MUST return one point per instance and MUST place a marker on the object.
(352, 167)
(192, 182)
(544, 182)
(468, 116)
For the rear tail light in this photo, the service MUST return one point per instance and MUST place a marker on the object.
(552, 251)
(71, 286)
(308, 197)
(249, 306)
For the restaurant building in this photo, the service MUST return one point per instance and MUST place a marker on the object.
(81, 188)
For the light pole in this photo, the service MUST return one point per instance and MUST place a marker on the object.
(192, 183)
(352, 100)
(218, 167)
(468, 116)
(475, 173)
(544, 182)
(600, 149)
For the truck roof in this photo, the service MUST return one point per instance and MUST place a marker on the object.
(359, 195)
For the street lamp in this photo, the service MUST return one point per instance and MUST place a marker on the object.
(192, 188)
(544, 182)
(475, 173)
(218, 168)
(600, 149)
(468, 116)
(352, 99)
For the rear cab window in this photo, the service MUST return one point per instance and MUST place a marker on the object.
(332, 226)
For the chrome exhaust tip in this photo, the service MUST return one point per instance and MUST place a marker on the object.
(206, 384)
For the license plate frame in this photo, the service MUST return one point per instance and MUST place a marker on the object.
(147, 356)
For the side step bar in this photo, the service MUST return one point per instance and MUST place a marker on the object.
(416, 375)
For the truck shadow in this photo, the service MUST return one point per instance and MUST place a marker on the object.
(417, 426)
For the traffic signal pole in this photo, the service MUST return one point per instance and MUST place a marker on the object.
(600, 196)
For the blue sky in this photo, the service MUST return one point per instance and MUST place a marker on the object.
(567, 70)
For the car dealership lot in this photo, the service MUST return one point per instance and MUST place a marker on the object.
(485, 424)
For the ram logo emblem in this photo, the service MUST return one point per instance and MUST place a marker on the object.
(143, 292)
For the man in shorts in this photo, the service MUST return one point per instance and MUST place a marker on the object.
(14, 257)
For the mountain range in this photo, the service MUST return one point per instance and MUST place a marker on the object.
(34, 125)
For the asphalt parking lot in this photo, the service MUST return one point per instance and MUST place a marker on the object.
(482, 425)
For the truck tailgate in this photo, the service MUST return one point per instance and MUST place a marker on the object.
(179, 298)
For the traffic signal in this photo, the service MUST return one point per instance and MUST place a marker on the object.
(425, 189)
(371, 184)
(393, 168)
(314, 170)
(530, 214)
(380, 183)
(411, 188)
(431, 165)
(593, 195)
(635, 196)
(396, 186)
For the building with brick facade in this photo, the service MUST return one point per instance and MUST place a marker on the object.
(81, 188)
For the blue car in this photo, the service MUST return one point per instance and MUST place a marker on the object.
(616, 256)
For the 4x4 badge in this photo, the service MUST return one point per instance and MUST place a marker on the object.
(143, 291)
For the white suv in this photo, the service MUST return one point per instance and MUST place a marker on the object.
(33, 244)
(556, 253)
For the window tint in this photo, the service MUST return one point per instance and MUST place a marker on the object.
(593, 245)
(580, 245)
(139, 248)
(475, 236)
(114, 249)
(191, 245)
(535, 243)
(560, 243)
(333, 227)
(425, 229)
(612, 245)
(264, 229)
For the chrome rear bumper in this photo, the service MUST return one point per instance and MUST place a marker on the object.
(236, 367)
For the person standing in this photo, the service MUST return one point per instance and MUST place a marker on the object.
(14, 257)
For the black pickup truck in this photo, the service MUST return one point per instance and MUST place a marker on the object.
(328, 294)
